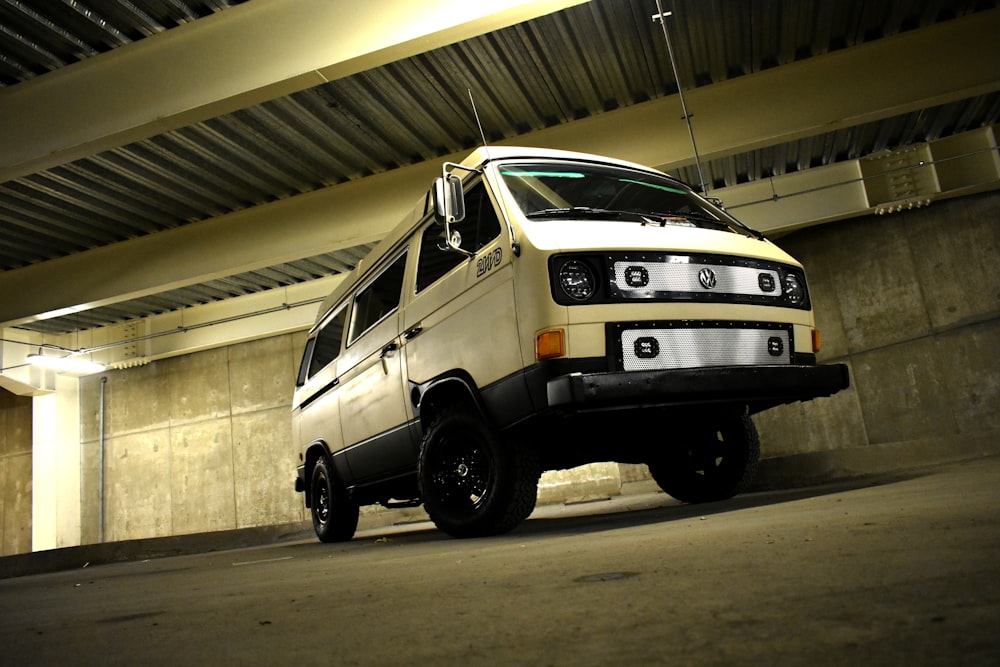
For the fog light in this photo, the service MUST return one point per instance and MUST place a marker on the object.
(636, 276)
(647, 347)
(766, 282)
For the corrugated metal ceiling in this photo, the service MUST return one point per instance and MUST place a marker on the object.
(43, 36)
(565, 66)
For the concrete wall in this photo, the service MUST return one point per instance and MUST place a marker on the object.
(911, 302)
(193, 444)
(15, 474)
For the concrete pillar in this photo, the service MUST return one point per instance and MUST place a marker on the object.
(55, 517)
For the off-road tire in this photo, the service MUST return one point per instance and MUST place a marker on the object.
(334, 514)
(473, 482)
(710, 463)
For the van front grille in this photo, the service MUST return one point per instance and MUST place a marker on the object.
(659, 277)
(632, 279)
(658, 346)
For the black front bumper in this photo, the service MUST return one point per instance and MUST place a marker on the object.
(758, 387)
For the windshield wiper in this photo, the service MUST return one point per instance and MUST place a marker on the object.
(689, 215)
(705, 217)
(583, 211)
(697, 218)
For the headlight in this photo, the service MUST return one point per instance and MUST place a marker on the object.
(795, 289)
(577, 280)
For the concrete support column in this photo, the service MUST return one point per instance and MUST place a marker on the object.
(55, 517)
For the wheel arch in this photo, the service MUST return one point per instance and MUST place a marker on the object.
(454, 388)
(314, 451)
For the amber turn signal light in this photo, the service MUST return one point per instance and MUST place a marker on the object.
(816, 340)
(549, 345)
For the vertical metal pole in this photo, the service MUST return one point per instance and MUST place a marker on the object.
(662, 16)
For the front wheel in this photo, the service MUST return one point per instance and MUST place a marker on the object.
(473, 482)
(713, 463)
(334, 514)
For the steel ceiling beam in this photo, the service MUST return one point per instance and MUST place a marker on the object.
(250, 53)
(914, 70)
(334, 218)
(944, 63)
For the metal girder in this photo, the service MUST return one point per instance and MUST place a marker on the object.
(947, 62)
(350, 214)
(248, 54)
(943, 63)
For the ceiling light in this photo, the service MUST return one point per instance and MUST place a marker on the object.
(67, 364)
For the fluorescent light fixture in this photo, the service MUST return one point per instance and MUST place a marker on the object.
(68, 364)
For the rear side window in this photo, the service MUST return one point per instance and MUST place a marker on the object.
(479, 228)
(379, 298)
(327, 347)
(324, 347)
(304, 366)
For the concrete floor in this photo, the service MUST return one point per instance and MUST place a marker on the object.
(898, 569)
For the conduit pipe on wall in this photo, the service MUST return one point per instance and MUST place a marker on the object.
(100, 462)
(201, 325)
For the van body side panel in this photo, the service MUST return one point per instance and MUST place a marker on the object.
(471, 303)
(536, 311)
(317, 417)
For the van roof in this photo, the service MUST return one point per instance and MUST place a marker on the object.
(484, 154)
(475, 160)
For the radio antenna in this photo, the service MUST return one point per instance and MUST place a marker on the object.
(662, 18)
(478, 122)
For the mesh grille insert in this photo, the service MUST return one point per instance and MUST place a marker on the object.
(658, 348)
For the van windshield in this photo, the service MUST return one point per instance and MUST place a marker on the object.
(587, 191)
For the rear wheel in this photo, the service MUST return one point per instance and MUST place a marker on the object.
(334, 515)
(712, 463)
(473, 482)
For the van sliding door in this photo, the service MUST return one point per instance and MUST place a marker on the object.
(372, 395)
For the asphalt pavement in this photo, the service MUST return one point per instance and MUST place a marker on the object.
(898, 569)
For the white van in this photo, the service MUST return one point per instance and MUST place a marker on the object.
(538, 310)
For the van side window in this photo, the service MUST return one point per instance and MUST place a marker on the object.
(378, 299)
(479, 228)
(327, 345)
(303, 374)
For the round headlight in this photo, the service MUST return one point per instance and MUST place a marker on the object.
(795, 290)
(577, 280)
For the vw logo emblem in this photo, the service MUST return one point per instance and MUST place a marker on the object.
(707, 278)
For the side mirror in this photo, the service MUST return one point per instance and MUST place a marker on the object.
(449, 203)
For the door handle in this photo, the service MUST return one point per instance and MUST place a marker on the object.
(386, 352)
(412, 332)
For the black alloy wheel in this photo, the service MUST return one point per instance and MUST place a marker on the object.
(334, 515)
(473, 482)
(710, 463)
